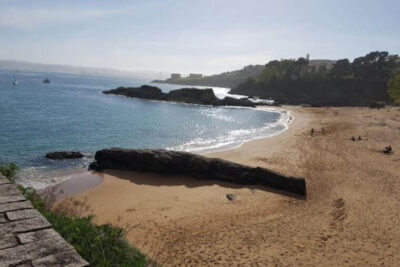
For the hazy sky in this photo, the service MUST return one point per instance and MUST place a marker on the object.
(194, 36)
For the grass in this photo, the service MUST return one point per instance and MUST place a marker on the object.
(9, 171)
(100, 245)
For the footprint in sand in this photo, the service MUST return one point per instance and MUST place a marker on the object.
(338, 213)
(130, 210)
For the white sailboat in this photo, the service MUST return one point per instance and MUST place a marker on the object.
(15, 82)
(47, 79)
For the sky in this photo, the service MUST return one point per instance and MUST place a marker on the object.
(202, 36)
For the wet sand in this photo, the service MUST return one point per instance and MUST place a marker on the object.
(78, 183)
(350, 216)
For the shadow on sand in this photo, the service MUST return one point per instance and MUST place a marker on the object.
(156, 179)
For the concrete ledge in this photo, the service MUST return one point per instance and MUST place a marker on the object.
(26, 237)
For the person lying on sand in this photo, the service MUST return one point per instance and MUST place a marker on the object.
(388, 150)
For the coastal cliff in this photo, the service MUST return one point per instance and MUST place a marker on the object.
(184, 95)
(174, 162)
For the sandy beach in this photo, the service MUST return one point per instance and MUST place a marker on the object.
(350, 216)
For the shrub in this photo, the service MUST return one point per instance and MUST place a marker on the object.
(9, 171)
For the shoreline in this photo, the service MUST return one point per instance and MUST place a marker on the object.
(71, 184)
(57, 177)
(266, 146)
(145, 201)
(350, 214)
(287, 123)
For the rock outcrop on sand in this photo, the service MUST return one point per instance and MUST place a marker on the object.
(376, 104)
(174, 162)
(64, 155)
(184, 95)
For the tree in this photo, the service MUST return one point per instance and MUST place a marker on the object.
(394, 89)
(375, 65)
(341, 68)
(323, 69)
(284, 70)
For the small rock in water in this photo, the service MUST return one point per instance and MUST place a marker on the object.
(64, 155)
(231, 197)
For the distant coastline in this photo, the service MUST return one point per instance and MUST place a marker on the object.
(15, 65)
(228, 79)
(304, 81)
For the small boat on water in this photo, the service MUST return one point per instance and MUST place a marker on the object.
(15, 82)
(46, 80)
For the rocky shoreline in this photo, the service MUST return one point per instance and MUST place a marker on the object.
(184, 95)
(174, 162)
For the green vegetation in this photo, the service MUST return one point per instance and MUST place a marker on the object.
(331, 83)
(394, 89)
(9, 171)
(100, 245)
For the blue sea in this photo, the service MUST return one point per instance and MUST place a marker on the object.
(71, 113)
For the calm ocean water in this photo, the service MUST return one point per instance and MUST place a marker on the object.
(71, 113)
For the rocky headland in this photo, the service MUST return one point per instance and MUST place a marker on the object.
(184, 95)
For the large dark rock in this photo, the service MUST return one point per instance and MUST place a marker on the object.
(193, 96)
(184, 95)
(64, 155)
(145, 92)
(164, 161)
(230, 101)
(377, 104)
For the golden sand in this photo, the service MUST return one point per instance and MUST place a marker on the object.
(350, 217)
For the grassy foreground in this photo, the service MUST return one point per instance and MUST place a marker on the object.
(100, 245)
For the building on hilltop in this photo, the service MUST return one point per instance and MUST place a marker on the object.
(175, 76)
(195, 75)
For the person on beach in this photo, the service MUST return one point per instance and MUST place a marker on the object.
(312, 131)
(323, 130)
(388, 150)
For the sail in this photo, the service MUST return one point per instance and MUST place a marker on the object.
(46, 80)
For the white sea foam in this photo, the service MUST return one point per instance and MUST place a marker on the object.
(39, 177)
(236, 138)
